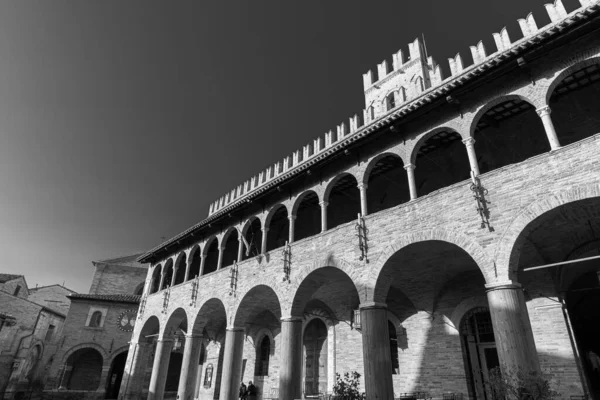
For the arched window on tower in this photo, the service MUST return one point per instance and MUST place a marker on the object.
(96, 319)
(390, 101)
(262, 358)
(394, 348)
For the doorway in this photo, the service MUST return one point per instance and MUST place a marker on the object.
(315, 358)
(115, 376)
(480, 351)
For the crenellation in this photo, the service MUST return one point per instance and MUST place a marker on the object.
(416, 49)
(478, 52)
(556, 10)
(528, 25)
(398, 60)
(502, 40)
(329, 138)
(296, 157)
(354, 123)
(318, 145)
(368, 79)
(382, 70)
(341, 130)
(456, 64)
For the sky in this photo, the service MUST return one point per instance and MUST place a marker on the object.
(120, 122)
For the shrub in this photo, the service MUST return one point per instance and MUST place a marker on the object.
(522, 386)
(347, 388)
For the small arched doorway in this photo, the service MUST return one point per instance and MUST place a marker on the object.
(115, 376)
(479, 348)
(315, 358)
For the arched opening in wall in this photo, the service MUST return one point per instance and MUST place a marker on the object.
(279, 229)
(428, 275)
(566, 233)
(175, 328)
(343, 201)
(87, 369)
(308, 216)
(387, 184)
(194, 262)
(509, 133)
(139, 290)
(394, 348)
(180, 266)
(96, 319)
(574, 104)
(253, 235)
(168, 275)
(230, 252)
(173, 372)
(115, 376)
(390, 101)
(441, 161)
(479, 349)
(329, 296)
(315, 359)
(211, 261)
(263, 353)
(156, 274)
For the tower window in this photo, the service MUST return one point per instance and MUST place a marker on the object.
(390, 101)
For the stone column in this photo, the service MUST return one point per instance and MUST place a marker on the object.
(470, 145)
(263, 245)
(376, 351)
(162, 279)
(202, 261)
(290, 374)
(292, 219)
(187, 269)
(362, 187)
(220, 259)
(512, 328)
(173, 278)
(189, 367)
(544, 113)
(103, 379)
(323, 205)
(240, 256)
(158, 379)
(135, 370)
(231, 375)
(66, 375)
(412, 186)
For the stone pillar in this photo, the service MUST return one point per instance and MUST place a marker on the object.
(173, 278)
(512, 328)
(189, 367)
(187, 269)
(240, 256)
(412, 186)
(376, 351)
(232, 364)
(66, 375)
(263, 245)
(362, 187)
(103, 379)
(158, 379)
(292, 219)
(202, 261)
(470, 145)
(132, 383)
(162, 279)
(290, 374)
(544, 113)
(220, 259)
(323, 205)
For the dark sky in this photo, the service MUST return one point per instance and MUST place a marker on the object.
(121, 121)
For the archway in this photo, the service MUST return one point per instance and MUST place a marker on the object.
(156, 274)
(343, 201)
(308, 216)
(441, 161)
(86, 370)
(230, 248)
(115, 376)
(508, 131)
(180, 266)
(253, 234)
(211, 256)
(194, 262)
(387, 183)
(573, 101)
(168, 275)
(175, 328)
(315, 358)
(279, 228)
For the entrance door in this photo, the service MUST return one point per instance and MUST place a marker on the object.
(488, 356)
(315, 362)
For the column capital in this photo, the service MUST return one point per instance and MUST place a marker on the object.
(265, 229)
(371, 305)
(235, 329)
(323, 203)
(291, 319)
(470, 141)
(543, 111)
(362, 186)
(504, 285)
(409, 166)
(292, 217)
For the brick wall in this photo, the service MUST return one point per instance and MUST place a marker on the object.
(117, 279)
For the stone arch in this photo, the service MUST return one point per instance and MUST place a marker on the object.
(262, 295)
(167, 274)
(155, 281)
(366, 173)
(139, 289)
(413, 148)
(377, 293)
(262, 332)
(333, 181)
(222, 240)
(115, 353)
(272, 211)
(512, 239)
(568, 70)
(474, 120)
(207, 244)
(176, 319)
(326, 316)
(464, 307)
(81, 346)
(179, 268)
(211, 317)
(299, 198)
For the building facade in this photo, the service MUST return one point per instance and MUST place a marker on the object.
(404, 245)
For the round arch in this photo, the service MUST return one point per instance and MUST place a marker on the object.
(465, 306)
(272, 212)
(332, 183)
(574, 67)
(300, 198)
(212, 316)
(81, 346)
(512, 240)
(156, 275)
(375, 284)
(373, 161)
(168, 274)
(494, 102)
(179, 268)
(178, 318)
(151, 326)
(258, 298)
(208, 243)
(415, 146)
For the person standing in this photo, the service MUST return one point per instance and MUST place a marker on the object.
(243, 392)
(251, 391)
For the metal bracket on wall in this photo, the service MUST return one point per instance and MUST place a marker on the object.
(166, 295)
(287, 261)
(195, 285)
(361, 232)
(233, 276)
(479, 193)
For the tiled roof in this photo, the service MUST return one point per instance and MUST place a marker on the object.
(8, 277)
(48, 286)
(115, 298)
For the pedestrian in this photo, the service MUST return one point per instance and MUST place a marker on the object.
(251, 391)
(243, 392)
(594, 361)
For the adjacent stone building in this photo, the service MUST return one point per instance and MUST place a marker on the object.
(404, 244)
